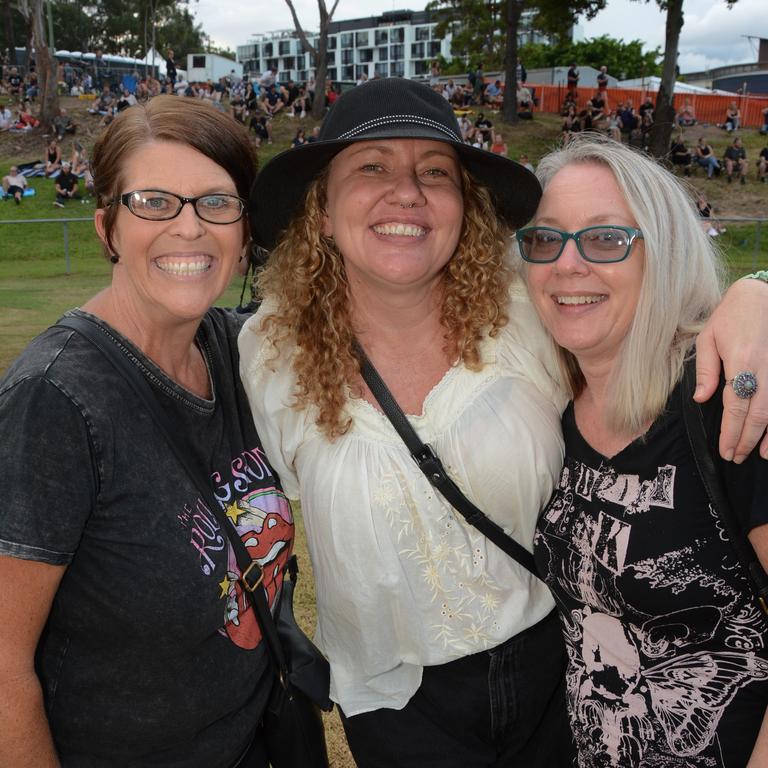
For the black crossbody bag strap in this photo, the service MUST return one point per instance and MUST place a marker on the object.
(251, 574)
(429, 463)
(705, 462)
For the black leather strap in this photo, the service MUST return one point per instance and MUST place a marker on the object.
(429, 463)
(251, 574)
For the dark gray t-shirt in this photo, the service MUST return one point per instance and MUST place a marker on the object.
(151, 655)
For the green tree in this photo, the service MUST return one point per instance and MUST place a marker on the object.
(624, 60)
(483, 29)
(476, 31)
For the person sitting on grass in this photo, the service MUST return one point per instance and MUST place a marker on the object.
(705, 157)
(66, 185)
(524, 102)
(52, 157)
(103, 105)
(498, 145)
(680, 155)
(686, 117)
(736, 159)
(63, 124)
(6, 117)
(262, 128)
(14, 184)
(26, 120)
(494, 95)
(732, 118)
(271, 103)
(762, 165)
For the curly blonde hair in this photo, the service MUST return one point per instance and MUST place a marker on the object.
(306, 281)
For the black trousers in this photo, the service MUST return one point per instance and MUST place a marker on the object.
(505, 707)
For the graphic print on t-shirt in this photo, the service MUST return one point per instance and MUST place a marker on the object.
(660, 636)
(265, 524)
(250, 498)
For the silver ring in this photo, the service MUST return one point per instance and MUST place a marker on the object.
(412, 204)
(744, 384)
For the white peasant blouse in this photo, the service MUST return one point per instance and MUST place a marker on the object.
(402, 581)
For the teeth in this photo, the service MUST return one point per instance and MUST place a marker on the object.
(409, 230)
(184, 267)
(578, 299)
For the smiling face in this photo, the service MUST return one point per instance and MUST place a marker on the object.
(587, 307)
(174, 270)
(395, 209)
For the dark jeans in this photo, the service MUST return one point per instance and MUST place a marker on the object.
(504, 707)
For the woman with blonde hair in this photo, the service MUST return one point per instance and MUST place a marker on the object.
(389, 237)
(644, 542)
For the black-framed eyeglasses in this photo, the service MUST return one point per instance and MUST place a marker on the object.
(599, 245)
(159, 205)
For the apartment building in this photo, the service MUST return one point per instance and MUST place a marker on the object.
(395, 43)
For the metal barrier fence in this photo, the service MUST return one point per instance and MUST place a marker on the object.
(64, 222)
(756, 260)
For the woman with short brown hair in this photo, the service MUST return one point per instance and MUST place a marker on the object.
(125, 638)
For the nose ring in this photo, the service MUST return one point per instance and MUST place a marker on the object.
(412, 204)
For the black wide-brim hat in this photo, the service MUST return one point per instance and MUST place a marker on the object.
(389, 108)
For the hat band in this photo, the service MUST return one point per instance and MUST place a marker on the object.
(397, 120)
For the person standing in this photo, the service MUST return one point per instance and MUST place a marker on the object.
(667, 644)
(126, 637)
(170, 67)
(602, 78)
(573, 80)
(390, 235)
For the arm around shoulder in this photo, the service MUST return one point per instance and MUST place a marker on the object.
(736, 332)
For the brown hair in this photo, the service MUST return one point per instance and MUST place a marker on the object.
(306, 279)
(185, 121)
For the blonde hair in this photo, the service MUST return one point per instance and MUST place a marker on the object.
(681, 285)
(306, 280)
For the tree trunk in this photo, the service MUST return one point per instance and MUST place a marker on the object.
(509, 105)
(321, 68)
(664, 114)
(46, 67)
(10, 38)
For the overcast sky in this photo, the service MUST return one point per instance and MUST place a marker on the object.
(713, 35)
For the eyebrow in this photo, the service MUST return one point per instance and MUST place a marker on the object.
(388, 150)
(606, 219)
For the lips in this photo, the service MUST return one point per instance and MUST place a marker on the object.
(398, 228)
(583, 299)
(184, 267)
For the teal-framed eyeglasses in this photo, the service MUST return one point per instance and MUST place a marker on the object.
(159, 205)
(599, 245)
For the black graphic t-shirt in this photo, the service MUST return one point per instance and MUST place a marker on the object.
(668, 665)
(151, 655)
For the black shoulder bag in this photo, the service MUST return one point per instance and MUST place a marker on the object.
(429, 463)
(292, 727)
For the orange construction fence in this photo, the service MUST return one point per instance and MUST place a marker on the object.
(708, 108)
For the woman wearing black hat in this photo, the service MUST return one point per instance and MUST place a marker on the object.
(391, 233)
